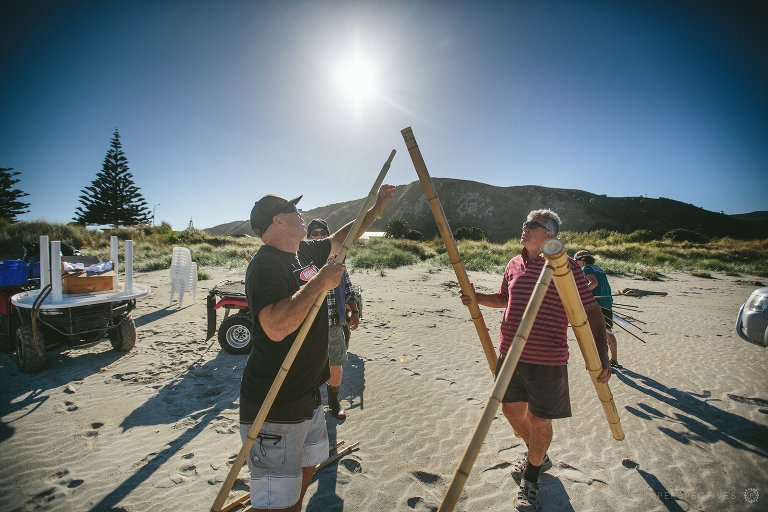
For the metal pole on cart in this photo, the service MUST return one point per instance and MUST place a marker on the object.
(113, 257)
(45, 262)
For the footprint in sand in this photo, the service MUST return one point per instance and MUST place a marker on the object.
(426, 478)
(125, 376)
(70, 406)
(94, 429)
(748, 400)
(417, 503)
(60, 489)
(352, 465)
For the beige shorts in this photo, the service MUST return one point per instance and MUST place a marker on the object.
(337, 345)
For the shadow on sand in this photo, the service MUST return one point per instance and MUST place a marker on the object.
(325, 498)
(197, 397)
(703, 422)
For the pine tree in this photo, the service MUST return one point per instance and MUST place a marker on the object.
(10, 206)
(113, 198)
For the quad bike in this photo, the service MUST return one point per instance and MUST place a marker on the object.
(235, 331)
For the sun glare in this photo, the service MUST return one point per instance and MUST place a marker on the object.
(357, 79)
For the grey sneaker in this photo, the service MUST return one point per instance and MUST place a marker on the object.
(518, 467)
(527, 496)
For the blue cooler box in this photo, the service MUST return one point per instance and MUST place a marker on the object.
(14, 273)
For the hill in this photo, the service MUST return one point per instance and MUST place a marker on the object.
(499, 211)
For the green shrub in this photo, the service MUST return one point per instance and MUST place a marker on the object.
(685, 235)
(397, 228)
(641, 235)
(380, 256)
(469, 233)
(414, 235)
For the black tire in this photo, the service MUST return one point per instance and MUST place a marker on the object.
(123, 337)
(8, 336)
(235, 334)
(29, 359)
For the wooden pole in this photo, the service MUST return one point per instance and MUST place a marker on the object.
(300, 336)
(554, 251)
(450, 245)
(506, 372)
(339, 454)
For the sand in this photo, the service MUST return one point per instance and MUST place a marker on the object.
(157, 427)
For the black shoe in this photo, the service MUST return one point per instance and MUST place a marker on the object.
(339, 414)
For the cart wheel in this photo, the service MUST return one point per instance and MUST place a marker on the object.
(28, 359)
(123, 337)
(235, 334)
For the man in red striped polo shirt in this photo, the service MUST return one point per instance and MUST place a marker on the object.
(538, 392)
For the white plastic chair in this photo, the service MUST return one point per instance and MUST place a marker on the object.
(183, 274)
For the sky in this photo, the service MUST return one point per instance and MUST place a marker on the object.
(219, 103)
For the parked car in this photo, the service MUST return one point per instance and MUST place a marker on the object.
(752, 320)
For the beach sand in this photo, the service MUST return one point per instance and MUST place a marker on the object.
(157, 427)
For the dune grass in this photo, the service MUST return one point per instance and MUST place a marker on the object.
(637, 254)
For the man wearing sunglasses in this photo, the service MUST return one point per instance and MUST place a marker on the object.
(344, 305)
(284, 278)
(538, 391)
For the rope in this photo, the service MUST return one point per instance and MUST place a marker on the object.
(35, 309)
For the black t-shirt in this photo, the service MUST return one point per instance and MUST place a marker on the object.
(274, 275)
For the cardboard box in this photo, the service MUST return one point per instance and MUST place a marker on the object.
(87, 283)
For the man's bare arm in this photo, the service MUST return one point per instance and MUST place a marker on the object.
(491, 300)
(283, 317)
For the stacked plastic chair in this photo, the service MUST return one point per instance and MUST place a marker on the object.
(183, 274)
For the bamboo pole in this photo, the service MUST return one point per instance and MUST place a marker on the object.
(339, 454)
(554, 251)
(297, 343)
(237, 502)
(450, 245)
(506, 372)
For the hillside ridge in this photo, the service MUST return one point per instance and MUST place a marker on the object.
(499, 211)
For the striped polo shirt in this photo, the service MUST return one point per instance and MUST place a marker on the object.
(548, 341)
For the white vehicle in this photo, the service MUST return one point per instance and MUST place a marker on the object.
(752, 320)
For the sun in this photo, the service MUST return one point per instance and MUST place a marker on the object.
(357, 78)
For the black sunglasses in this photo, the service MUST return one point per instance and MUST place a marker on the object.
(532, 224)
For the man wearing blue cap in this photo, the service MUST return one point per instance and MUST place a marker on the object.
(283, 280)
